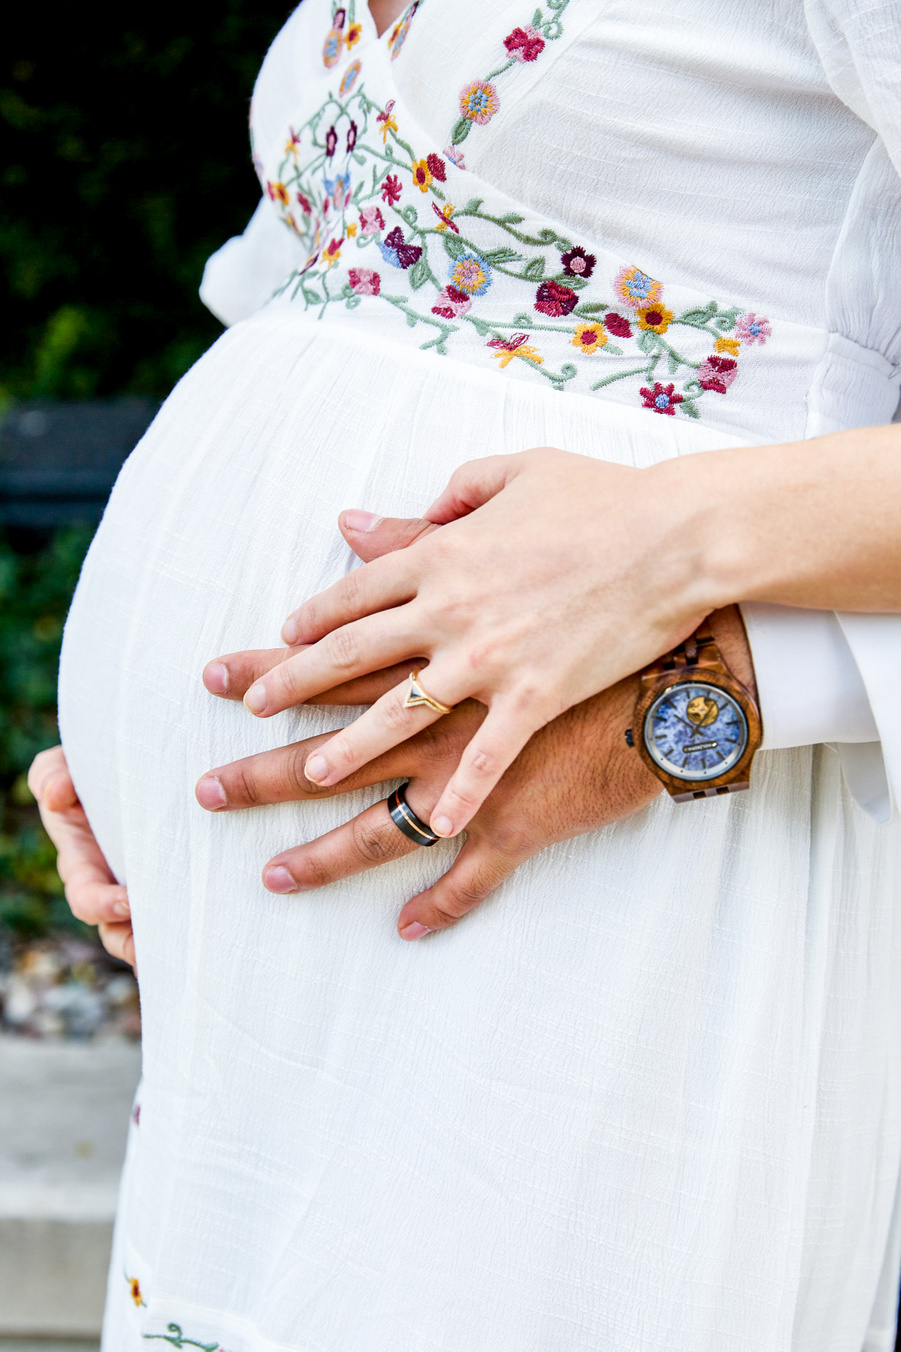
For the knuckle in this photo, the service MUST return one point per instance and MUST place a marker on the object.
(394, 714)
(246, 785)
(295, 779)
(372, 842)
(312, 870)
(343, 649)
(483, 763)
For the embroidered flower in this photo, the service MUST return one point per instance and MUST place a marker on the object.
(391, 190)
(517, 345)
(278, 193)
(338, 20)
(398, 253)
(134, 1287)
(753, 328)
(454, 303)
(730, 345)
(455, 156)
(655, 317)
(400, 30)
(331, 50)
(436, 167)
(349, 78)
(351, 136)
(292, 143)
(136, 1115)
(338, 189)
(351, 230)
(352, 36)
(661, 398)
(556, 300)
(479, 102)
(364, 281)
(717, 373)
(617, 325)
(387, 120)
(578, 263)
(444, 218)
(331, 141)
(636, 288)
(305, 204)
(332, 252)
(590, 338)
(371, 221)
(470, 273)
(526, 44)
(422, 175)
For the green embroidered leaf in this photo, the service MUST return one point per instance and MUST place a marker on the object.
(360, 159)
(673, 363)
(534, 269)
(453, 245)
(591, 307)
(510, 219)
(311, 297)
(472, 207)
(419, 274)
(498, 257)
(481, 328)
(460, 131)
(411, 320)
(611, 350)
(698, 317)
(537, 19)
(688, 407)
(648, 341)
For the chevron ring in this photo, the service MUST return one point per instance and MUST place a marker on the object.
(416, 697)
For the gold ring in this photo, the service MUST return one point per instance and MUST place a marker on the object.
(416, 696)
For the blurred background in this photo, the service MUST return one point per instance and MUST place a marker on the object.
(125, 164)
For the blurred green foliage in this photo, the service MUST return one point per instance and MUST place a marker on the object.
(35, 589)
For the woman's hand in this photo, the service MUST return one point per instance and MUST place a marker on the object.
(554, 576)
(91, 888)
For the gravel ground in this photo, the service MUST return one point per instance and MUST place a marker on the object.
(66, 988)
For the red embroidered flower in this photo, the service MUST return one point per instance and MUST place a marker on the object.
(391, 190)
(371, 221)
(661, 398)
(305, 204)
(331, 141)
(340, 16)
(526, 44)
(617, 325)
(717, 373)
(454, 303)
(364, 281)
(556, 300)
(351, 137)
(578, 263)
(436, 166)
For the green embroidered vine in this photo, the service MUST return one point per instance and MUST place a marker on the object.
(175, 1338)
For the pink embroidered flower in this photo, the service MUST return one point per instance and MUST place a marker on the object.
(526, 44)
(453, 303)
(306, 205)
(350, 77)
(400, 30)
(455, 156)
(753, 328)
(479, 102)
(338, 20)
(617, 325)
(331, 141)
(555, 300)
(391, 190)
(371, 221)
(661, 398)
(436, 167)
(578, 263)
(351, 137)
(331, 50)
(364, 281)
(635, 288)
(332, 252)
(717, 373)
(470, 273)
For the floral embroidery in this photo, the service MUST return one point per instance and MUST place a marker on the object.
(479, 101)
(661, 398)
(175, 1338)
(366, 195)
(349, 79)
(400, 30)
(753, 328)
(134, 1290)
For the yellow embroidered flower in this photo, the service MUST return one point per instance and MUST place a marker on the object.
(444, 218)
(135, 1288)
(590, 337)
(730, 345)
(422, 175)
(351, 230)
(657, 318)
(352, 36)
(332, 252)
(635, 288)
(279, 193)
(388, 124)
(517, 345)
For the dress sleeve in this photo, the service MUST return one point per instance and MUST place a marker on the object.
(241, 276)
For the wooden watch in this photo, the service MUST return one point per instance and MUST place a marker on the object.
(696, 727)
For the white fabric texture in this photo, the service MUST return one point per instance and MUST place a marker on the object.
(648, 1095)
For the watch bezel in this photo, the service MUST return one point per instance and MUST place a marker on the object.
(650, 741)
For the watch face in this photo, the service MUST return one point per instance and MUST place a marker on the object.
(695, 731)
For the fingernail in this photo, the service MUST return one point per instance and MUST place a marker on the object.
(442, 826)
(316, 769)
(289, 632)
(354, 519)
(210, 794)
(279, 880)
(215, 678)
(414, 930)
(122, 909)
(255, 699)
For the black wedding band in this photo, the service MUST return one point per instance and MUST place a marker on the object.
(406, 820)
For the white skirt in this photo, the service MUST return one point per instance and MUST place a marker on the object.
(647, 1097)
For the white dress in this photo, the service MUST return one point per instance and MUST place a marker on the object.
(648, 1096)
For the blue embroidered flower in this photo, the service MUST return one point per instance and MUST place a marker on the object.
(338, 190)
(635, 288)
(470, 273)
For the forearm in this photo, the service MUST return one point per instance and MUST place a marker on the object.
(810, 524)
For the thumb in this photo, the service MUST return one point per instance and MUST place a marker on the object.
(372, 536)
(473, 484)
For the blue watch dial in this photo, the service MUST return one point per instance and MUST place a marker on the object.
(695, 731)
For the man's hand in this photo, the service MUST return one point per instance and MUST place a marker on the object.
(91, 889)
